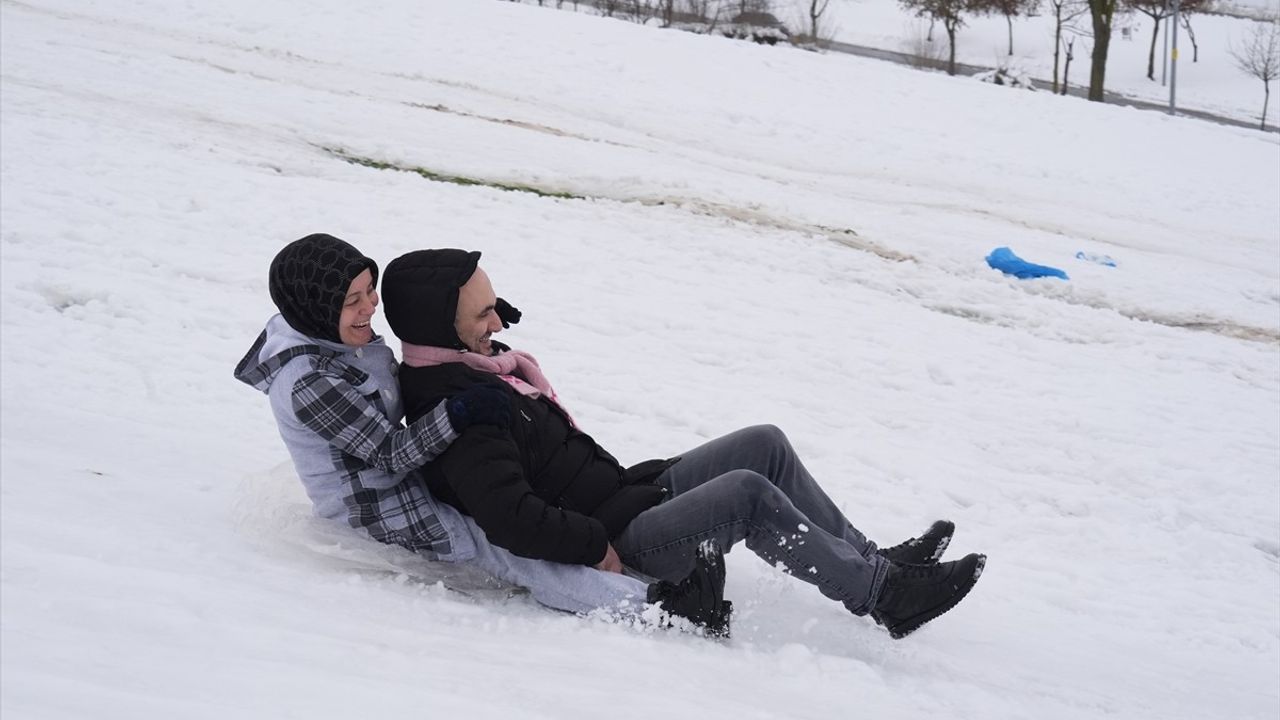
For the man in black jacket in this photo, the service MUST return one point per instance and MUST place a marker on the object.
(542, 488)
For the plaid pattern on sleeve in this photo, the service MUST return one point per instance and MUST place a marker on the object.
(403, 514)
(376, 458)
(333, 409)
(341, 423)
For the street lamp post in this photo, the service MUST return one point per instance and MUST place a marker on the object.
(1173, 64)
(1164, 65)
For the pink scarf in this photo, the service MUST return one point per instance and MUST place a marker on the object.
(517, 368)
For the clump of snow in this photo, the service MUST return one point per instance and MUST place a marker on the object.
(1007, 78)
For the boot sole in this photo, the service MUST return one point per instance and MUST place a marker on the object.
(909, 626)
(719, 628)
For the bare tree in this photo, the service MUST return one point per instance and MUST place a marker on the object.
(1260, 57)
(1158, 10)
(817, 33)
(639, 11)
(754, 6)
(666, 11)
(921, 50)
(1069, 51)
(1102, 13)
(707, 12)
(1009, 9)
(949, 13)
(1064, 13)
(1195, 46)
(1069, 38)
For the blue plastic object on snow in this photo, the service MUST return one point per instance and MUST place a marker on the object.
(1096, 258)
(1003, 259)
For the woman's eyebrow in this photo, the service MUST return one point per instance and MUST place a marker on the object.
(357, 292)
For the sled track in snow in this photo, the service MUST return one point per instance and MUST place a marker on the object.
(753, 217)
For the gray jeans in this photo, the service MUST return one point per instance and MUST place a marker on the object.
(749, 485)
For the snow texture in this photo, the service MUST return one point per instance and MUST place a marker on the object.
(1210, 81)
(763, 235)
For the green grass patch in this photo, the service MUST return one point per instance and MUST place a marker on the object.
(446, 178)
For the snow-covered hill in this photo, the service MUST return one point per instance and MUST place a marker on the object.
(1207, 79)
(758, 236)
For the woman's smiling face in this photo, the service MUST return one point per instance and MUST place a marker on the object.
(357, 310)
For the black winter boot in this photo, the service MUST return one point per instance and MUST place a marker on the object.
(924, 550)
(915, 594)
(699, 597)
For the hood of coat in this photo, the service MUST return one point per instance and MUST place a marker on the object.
(420, 295)
(279, 343)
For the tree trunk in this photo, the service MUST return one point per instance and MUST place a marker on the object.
(1102, 11)
(1151, 56)
(929, 37)
(1057, 44)
(951, 61)
(1066, 70)
(1009, 19)
(1266, 98)
(1195, 48)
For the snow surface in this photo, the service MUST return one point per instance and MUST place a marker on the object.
(1213, 83)
(771, 236)
(1209, 81)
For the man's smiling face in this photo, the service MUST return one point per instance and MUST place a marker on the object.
(476, 320)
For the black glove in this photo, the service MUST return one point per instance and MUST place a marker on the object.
(507, 313)
(486, 404)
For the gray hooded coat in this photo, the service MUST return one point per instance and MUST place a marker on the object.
(339, 412)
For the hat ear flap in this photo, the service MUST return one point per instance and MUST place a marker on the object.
(507, 313)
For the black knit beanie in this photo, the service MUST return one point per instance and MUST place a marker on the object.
(309, 280)
(420, 295)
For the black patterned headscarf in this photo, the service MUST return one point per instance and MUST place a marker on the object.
(309, 279)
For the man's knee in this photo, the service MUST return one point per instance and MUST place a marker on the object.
(753, 491)
(766, 435)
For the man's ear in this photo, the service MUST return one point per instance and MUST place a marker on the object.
(507, 313)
